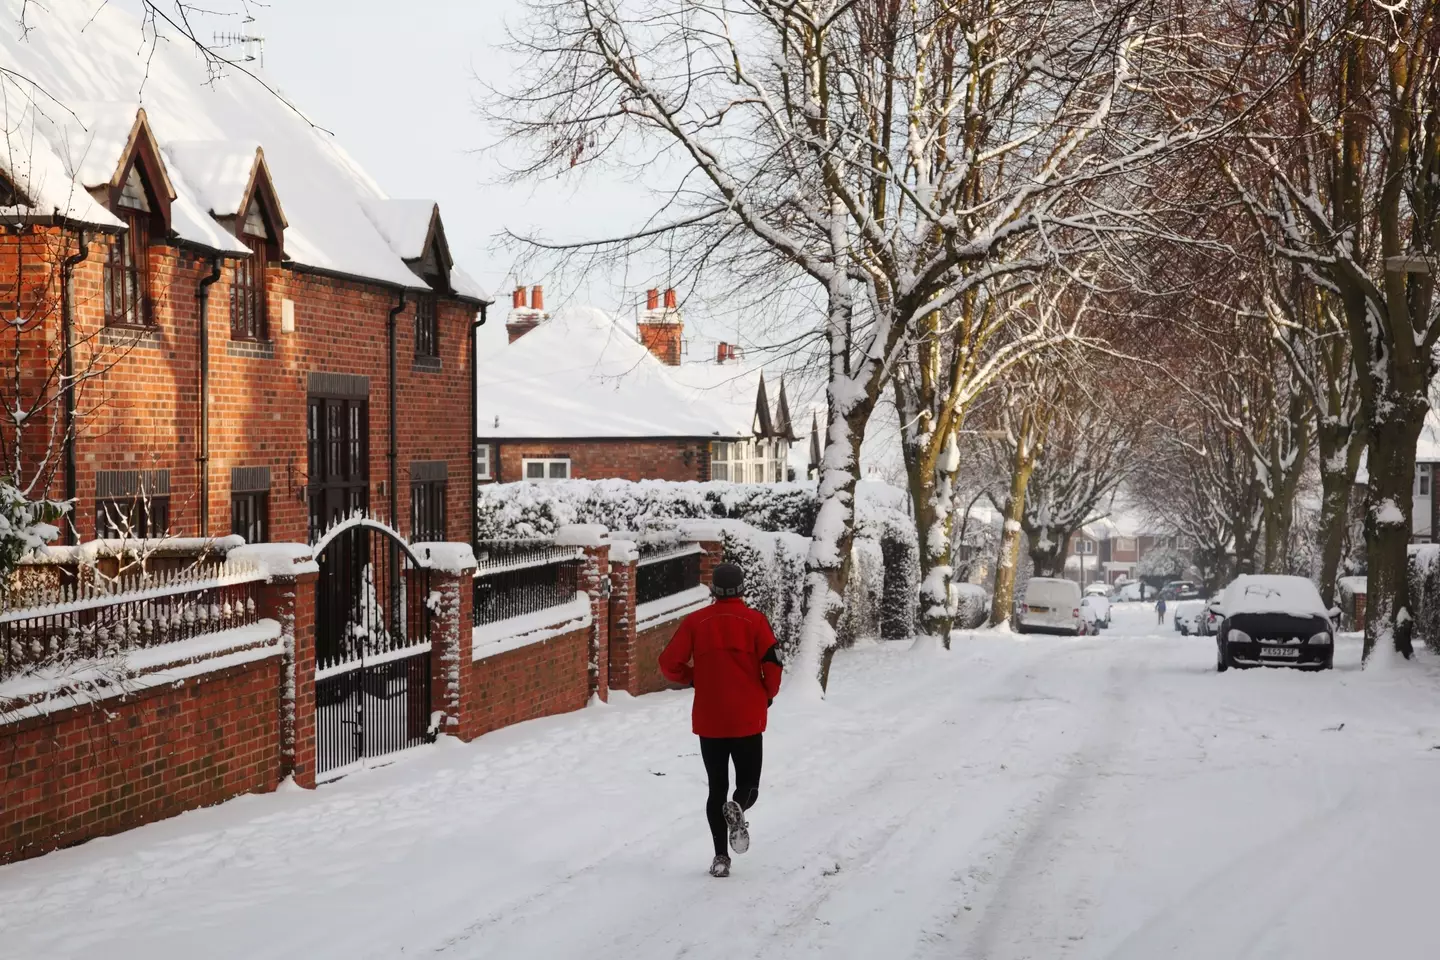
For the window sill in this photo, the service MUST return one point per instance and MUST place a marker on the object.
(253, 349)
(430, 364)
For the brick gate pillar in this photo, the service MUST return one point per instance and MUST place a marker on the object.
(452, 624)
(621, 657)
(288, 597)
(594, 582)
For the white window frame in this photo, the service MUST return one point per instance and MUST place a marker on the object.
(548, 462)
(1126, 544)
(1422, 479)
(483, 455)
(720, 460)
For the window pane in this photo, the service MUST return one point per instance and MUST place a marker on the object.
(534, 470)
(482, 461)
(559, 469)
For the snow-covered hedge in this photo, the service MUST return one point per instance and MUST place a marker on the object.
(1425, 592)
(526, 510)
(972, 605)
(887, 558)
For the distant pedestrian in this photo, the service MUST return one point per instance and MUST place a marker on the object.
(727, 653)
(1160, 611)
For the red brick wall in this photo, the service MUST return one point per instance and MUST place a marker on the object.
(645, 675)
(535, 680)
(611, 459)
(143, 412)
(99, 769)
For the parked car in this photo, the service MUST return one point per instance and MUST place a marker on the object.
(1098, 590)
(1095, 609)
(1274, 621)
(1210, 619)
(1181, 590)
(1134, 590)
(1188, 614)
(1051, 605)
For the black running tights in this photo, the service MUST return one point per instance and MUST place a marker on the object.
(717, 752)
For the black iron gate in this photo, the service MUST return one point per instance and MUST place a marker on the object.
(372, 646)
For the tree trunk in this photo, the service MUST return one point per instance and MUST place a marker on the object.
(933, 513)
(1049, 549)
(1388, 523)
(1343, 452)
(1003, 602)
(827, 567)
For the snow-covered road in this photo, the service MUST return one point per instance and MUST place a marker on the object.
(1110, 797)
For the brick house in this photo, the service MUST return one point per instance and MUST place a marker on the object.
(255, 331)
(577, 394)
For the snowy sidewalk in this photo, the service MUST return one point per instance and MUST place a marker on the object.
(1019, 797)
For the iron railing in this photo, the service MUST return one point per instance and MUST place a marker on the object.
(667, 572)
(96, 619)
(370, 598)
(516, 577)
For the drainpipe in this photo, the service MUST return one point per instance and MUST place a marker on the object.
(67, 368)
(202, 460)
(394, 453)
(475, 425)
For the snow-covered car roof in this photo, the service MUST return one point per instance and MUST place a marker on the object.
(1272, 593)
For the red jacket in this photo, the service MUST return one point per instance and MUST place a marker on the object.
(727, 651)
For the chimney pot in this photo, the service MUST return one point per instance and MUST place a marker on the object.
(537, 297)
(669, 298)
(518, 300)
(652, 299)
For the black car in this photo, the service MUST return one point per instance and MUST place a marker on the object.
(1300, 636)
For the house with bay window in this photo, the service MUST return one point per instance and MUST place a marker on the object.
(253, 330)
(584, 394)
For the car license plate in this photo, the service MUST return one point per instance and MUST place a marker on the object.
(1291, 652)
(1035, 609)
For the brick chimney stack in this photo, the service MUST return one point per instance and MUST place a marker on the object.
(525, 317)
(662, 329)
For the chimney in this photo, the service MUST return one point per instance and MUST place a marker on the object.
(662, 331)
(524, 318)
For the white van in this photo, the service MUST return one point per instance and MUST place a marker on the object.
(1051, 605)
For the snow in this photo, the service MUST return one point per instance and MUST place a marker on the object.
(1107, 798)
(582, 535)
(582, 373)
(277, 559)
(669, 608)
(492, 639)
(1272, 593)
(1388, 514)
(452, 558)
(91, 550)
(96, 61)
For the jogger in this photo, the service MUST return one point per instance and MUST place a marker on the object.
(717, 752)
(727, 653)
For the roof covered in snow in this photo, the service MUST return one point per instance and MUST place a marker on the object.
(73, 119)
(739, 391)
(581, 374)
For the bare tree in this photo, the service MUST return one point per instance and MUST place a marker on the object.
(1348, 152)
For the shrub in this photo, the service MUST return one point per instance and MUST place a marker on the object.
(1424, 571)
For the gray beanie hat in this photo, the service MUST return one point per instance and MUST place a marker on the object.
(728, 581)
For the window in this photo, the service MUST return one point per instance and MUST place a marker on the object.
(483, 470)
(549, 469)
(427, 332)
(427, 510)
(1422, 479)
(132, 517)
(720, 461)
(250, 516)
(247, 292)
(1125, 543)
(1084, 546)
(127, 271)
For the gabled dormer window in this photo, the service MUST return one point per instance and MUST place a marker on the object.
(248, 314)
(127, 270)
(139, 194)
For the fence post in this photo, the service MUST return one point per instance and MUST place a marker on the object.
(288, 597)
(452, 626)
(621, 657)
(595, 582)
